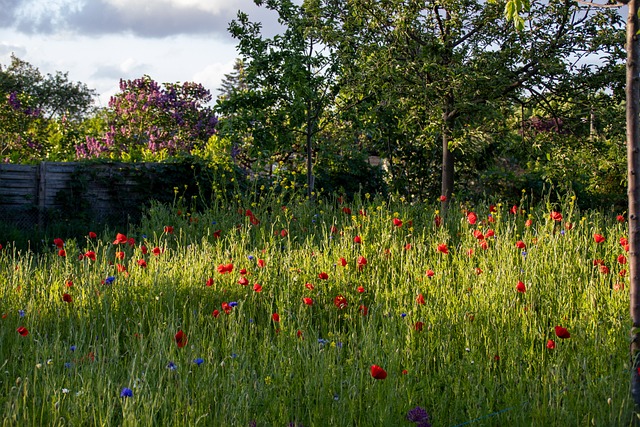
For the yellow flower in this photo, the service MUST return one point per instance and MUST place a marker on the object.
(267, 380)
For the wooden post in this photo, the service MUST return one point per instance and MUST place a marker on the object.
(41, 177)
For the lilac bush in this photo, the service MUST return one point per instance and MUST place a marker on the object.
(147, 120)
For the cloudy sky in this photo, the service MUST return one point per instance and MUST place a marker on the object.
(98, 42)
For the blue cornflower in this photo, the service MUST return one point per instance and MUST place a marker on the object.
(213, 223)
(404, 315)
(524, 254)
(144, 236)
(68, 364)
(172, 366)
(73, 348)
(109, 280)
(234, 355)
(233, 304)
(21, 313)
(562, 232)
(126, 392)
(199, 361)
(250, 257)
(322, 341)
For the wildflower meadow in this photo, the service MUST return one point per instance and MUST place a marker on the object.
(362, 312)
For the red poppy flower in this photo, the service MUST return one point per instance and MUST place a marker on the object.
(470, 252)
(67, 298)
(226, 307)
(215, 313)
(490, 233)
(284, 233)
(299, 334)
(91, 255)
(142, 263)
(323, 276)
(144, 250)
(62, 253)
(346, 210)
(181, 339)
(624, 241)
(209, 281)
(121, 268)
(599, 238)
(120, 238)
(618, 286)
(568, 225)
(69, 284)
(156, 251)
(360, 289)
(418, 326)
(378, 373)
(562, 332)
(92, 235)
(420, 299)
(309, 286)
(626, 248)
(478, 234)
(483, 244)
(261, 263)
(520, 245)
(58, 242)
(430, 273)
(275, 317)
(622, 259)
(520, 287)
(340, 302)
(528, 223)
(357, 239)
(257, 287)
(472, 218)
(622, 273)
(407, 247)
(364, 310)
(620, 218)
(443, 198)
(307, 300)
(478, 271)
(333, 229)
(397, 222)
(443, 248)
(362, 261)
(131, 241)
(437, 220)
(243, 281)
(551, 344)
(217, 234)
(604, 269)
(23, 331)
(119, 255)
(168, 229)
(556, 216)
(243, 271)
(513, 210)
(343, 262)
(598, 262)
(225, 268)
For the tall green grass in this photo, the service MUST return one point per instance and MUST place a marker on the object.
(479, 355)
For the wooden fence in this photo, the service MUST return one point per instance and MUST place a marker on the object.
(38, 195)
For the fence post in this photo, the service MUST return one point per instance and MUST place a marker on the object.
(41, 177)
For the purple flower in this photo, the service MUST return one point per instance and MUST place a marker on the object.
(126, 392)
(420, 416)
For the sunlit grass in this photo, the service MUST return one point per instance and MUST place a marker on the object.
(475, 351)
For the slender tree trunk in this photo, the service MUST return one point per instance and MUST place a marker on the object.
(310, 180)
(633, 166)
(447, 157)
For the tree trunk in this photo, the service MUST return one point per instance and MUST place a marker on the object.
(447, 161)
(633, 166)
(310, 180)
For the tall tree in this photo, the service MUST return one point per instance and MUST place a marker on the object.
(453, 63)
(291, 83)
